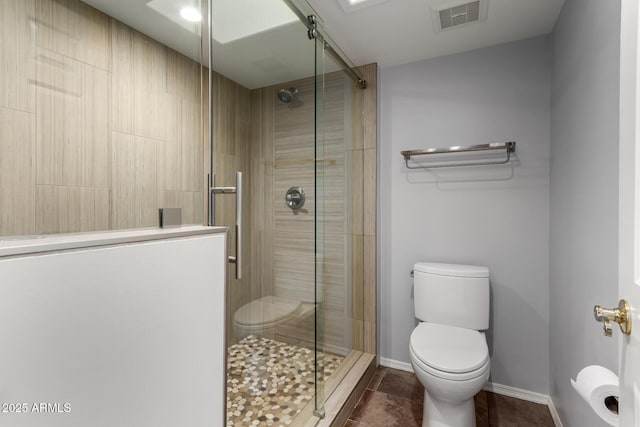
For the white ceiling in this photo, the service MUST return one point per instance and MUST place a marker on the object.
(395, 32)
(389, 32)
(279, 51)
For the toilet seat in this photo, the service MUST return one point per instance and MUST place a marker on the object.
(449, 352)
(266, 312)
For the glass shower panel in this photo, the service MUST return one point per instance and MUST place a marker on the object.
(321, 171)
(264, 92)
(339, 237)
(285, 114)
(100, 113)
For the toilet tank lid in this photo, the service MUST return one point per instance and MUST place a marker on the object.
(455, 270)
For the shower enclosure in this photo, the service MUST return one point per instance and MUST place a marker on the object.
(287, 113)
(112, 109)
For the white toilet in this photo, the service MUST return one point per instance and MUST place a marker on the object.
(448, 351)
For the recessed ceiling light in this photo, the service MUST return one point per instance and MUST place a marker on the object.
(191, 14)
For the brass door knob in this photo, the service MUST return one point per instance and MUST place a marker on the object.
(621, 315)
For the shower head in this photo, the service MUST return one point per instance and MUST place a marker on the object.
(286, 95)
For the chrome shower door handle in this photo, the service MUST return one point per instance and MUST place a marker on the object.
(237, 259)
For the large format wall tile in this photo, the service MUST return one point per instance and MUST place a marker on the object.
(72, 122)
(191, 144)
(139, 78)
(83, 76)
(17, 55)
(74, 29)
(184, 149)
(183, 77)
(64, 209)
(17, 173)
(134, 181)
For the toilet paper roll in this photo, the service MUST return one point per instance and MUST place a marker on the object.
(599, 387)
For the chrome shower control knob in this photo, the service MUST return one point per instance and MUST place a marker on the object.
(295, 198)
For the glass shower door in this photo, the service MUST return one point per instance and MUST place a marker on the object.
(263, 111)
(320, 169)
(284, 114)
(339, 155)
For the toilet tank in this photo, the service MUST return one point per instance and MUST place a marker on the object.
(451, 294)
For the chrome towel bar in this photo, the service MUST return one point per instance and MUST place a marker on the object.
(508, 147)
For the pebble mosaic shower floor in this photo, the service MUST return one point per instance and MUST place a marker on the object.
(269, 382)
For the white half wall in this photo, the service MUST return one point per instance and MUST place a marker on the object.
(496, 216)
(120, 328)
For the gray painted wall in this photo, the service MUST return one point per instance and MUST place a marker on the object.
(584, 195)
(492, 216)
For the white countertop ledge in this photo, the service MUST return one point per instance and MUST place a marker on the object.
(15, 246)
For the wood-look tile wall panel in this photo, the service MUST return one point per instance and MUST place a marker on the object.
(357, 290)
(116, 122)
(357, 195)
(64, 209)
(283, 147)
(369, 272)
(369, 188)
(183, 77)
(17, 172)
(74, 29)
(294, 235)
(370, 106)
(72, 122)
(369, 191)
(17, 55)
(134, 191)
(139, 83)
(261, 156)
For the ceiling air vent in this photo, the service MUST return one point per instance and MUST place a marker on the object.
(452, 15)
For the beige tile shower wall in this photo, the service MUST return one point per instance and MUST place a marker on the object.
(363, 212)
(283, 156)
(261, 185)
(101, 125)
(18, 53)
(17, 172)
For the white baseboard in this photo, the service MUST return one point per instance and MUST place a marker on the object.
(395, 364)
(527, 395)
(554, 413)
(505, 390)
(518, 393)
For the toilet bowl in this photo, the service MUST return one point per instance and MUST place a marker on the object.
(453, 365)
(262, 316)
(448, 351)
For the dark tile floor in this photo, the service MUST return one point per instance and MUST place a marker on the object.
(394, 399)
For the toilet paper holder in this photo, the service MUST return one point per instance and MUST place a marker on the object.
(621, 315)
